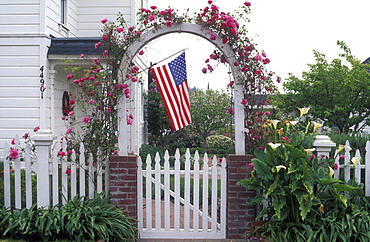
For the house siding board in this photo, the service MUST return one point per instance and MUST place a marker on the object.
(19, 17)
(90, 13)
(19, 86)
(18, 60)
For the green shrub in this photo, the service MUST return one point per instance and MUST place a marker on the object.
(220, 144)
(146, 150)
(77, 220)
(356, 141)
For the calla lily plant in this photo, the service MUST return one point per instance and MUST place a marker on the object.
(295, 183)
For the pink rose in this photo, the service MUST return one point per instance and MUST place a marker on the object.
(248, 4)
(103, 21)
(69, 130)
(98, 44)
(151, 17)
(12, 142)
(70, 76)
(335, 166)
(68, 171)
(213, 37)
(119, 30)
(13, 154)
(72, 102)
(36, 128)
(250, 165)
(141, 52)
(61, 153)
(26, 135)
(230, 110)
(86, 120)
(168, 23)
(244, 101)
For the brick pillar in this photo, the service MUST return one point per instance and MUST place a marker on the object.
(123, 183)
(238, 214)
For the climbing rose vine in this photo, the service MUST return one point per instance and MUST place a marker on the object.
(110, 76)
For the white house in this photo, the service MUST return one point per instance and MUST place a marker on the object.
(35, 35)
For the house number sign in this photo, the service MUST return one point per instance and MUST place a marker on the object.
(42, 81)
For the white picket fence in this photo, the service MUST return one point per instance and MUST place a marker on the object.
(67, 178)
(348, 171)
(169, 215)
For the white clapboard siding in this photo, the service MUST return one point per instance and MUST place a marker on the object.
(90, 13)
(63, 186)
(198, 222)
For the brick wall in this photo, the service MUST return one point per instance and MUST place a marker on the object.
(123, 177)
(238, 214)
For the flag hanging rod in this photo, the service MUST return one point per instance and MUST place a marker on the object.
(168, 57)
(151, 65)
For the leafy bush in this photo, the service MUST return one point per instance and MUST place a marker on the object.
(356, 141)
(146, 150)
(219, 143)
(77, 220)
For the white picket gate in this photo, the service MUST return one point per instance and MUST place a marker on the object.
(83, 178)
(169, 215)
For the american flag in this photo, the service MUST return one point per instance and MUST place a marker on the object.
(173, 86)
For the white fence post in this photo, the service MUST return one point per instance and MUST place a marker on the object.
(43, 140)
(323, 145)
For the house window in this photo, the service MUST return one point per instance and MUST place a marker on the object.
(63, 11)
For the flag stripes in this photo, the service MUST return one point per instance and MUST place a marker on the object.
(175, 97)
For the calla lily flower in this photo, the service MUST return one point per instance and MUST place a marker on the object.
(307, 127)
(293, 122)
(267, 123)
(278, 168)
(273, 146)
(309, 151)
(275, 122)
(303, 111)
(316, 126)
(341, 147)
(280, 131)
(331, 172)
(354, 160)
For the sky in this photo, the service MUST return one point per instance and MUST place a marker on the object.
(287, 30)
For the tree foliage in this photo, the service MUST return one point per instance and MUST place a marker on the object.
(209, 112)
(336, 93)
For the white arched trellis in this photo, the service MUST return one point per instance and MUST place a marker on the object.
(224, 48)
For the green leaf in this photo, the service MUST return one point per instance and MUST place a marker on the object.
(262, 169)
